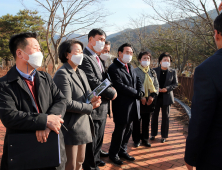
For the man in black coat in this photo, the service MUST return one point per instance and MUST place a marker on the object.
(29, 99)
(204, 141)
(126, 107)
(95, 73)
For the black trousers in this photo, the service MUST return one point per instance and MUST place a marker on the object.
(120, 138)
(121, 134)
(165, 119)
(92, 156)
(136, 134)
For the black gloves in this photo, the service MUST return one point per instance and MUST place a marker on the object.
(140, 95)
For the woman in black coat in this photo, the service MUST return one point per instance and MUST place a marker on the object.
(149, 79)
(167, 79)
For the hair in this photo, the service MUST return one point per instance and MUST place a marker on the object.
(165, 54)
(121, 48)
(218, 24)
(96, 31)
(108, 43)
(141, 54)
(66, 47)
(19, 41)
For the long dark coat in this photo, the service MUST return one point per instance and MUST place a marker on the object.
(127, 87)
(17, 112)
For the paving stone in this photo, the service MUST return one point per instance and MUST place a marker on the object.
(160, 156)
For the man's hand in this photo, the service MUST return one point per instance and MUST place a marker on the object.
(42, 135)
(163, 90)
(220, 7)
(54, 122)
(115, 94)
(143, 100)
(150, 101)
(189, 167)
(96, 101)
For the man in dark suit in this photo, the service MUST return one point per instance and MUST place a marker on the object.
(203, 144)
(126, 107)
(168, 81)
(29, 99)
(95, 72)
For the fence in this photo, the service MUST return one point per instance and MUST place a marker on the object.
(185, 88)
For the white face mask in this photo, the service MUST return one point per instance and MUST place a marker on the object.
(77, 59)
(105, 56)
(127, 58)
(145, 63)
(99, 46)
(35, 59)
(165, 64)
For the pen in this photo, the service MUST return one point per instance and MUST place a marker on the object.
(64, 127)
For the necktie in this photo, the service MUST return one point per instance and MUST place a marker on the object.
(127, 68)
(97, 58)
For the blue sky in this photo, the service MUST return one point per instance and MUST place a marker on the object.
(120, 10)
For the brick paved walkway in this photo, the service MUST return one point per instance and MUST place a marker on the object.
(160, 156)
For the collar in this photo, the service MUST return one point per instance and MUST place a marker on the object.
(91, 51)
(27, 76)
(121, 62)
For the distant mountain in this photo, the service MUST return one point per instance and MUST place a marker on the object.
(118, 33)
(120, 37)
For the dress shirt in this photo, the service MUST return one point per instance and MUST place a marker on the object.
(27, 76)
(96, 56)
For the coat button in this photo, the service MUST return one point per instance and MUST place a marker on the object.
(11, 159)
(10, 145)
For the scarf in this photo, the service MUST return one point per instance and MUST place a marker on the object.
(148, 83)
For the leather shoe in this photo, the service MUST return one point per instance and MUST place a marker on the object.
(100, 163)
(152, 137)
(136, 145)
(146, 143)
(116, 160)
(126, 156)
(163, 140)
(103, 153)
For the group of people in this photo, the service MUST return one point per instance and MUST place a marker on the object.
(31, 101)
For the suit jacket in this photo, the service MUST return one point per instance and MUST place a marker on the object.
(170, 84)
(77, 118)
(95, 77)
(204, 141)
(17, 112)
(153, 76)
(128, 85)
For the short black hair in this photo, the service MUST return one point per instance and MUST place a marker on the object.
(141, 54)
(121, 48)
(19, 41)
(165, 54)
(96, 31)
(107, 43)
(66, 47)
(218, 24)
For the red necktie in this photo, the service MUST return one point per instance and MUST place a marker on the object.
(127, 68)
(99, 63)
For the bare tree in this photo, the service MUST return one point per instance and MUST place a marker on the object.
(66, 17)
(188, 15)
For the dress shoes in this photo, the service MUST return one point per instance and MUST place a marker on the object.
(152, 137)
(116, 160)
(146, 143)
(103, 153)
(126, 156)
(163, 140)
(137, 144)
(100, 163)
